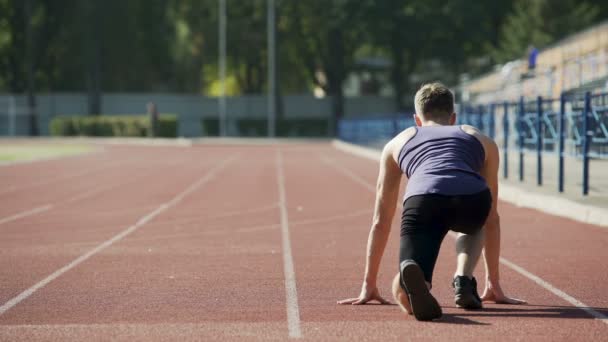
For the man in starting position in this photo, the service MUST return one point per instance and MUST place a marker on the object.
(451, 184)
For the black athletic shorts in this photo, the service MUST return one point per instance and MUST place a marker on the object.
(427, 219)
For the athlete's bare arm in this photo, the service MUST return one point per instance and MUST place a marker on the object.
(491, 252)
(387, 193)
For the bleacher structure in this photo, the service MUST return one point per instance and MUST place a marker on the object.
(575, 64)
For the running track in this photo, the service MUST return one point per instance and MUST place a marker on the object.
(253, 243)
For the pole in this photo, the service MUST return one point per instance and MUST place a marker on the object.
(482, 126)
(520, 135)
(30, 69)
(222, 63)
(587, 136)
(492, 121)
(562, 137)
(539, 141)
(505, 151)
(12, 116)
(271, 69)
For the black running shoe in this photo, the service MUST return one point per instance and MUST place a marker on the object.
(465, 293)
(424, 305)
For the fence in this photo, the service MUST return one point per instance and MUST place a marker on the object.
(570, 126)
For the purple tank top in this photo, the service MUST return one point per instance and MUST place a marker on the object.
(442, 160)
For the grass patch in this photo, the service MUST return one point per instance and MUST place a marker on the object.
(10, 153)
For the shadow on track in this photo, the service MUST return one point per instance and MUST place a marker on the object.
(535, 311)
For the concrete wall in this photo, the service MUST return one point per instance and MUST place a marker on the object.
(189, 108)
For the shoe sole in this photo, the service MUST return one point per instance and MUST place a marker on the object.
(424, 306)
(467, 301)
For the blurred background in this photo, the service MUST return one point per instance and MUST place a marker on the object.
(311, 68)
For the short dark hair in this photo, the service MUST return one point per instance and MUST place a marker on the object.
(434, 101)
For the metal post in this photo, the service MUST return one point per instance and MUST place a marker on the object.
(12, 116)
(222, 65)
(480, 116)
(463, 117)
(491, 122)
(395, 124)
(460, 113)
(520, 135)
(588, 135)
(505, 146)
(271, 68)
(539, 141)
(562, 137)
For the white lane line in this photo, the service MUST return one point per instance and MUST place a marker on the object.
(81, 196)
(41, 209)
(293, 311)
(561, 294)
(69, 176)
(106, 187)
(333, 218)
(538, 280)
(49, 206)
(349, 173)
(142, 221)
(55, 179)
(186, 219)
(26, 213)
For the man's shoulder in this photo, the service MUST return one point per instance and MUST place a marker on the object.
(395, 145)
(489, 145)
(476, 133)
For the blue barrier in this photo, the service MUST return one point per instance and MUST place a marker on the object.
(572, 125)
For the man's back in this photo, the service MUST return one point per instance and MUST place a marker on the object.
(442, 160)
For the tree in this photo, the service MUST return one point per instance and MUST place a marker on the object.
(327, 40)
(540, 22)
(392, 26)
(30, 66)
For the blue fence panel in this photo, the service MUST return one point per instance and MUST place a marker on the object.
(573, 125)
(373, 131)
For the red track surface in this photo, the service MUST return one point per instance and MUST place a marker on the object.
(209, 265)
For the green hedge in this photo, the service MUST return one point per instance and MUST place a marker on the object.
(113, 126)
(259, 127)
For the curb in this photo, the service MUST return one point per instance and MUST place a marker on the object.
(548, 204)
(179, 142)
(102, 141)
(256, 141)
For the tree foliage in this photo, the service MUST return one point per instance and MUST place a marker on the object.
(541, 22)
(172, 45)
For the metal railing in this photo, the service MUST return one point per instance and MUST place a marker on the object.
(570, 126)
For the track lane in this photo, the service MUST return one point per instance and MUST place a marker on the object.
(32, 247)
(222, 268)
(66, 183)
(329, 224)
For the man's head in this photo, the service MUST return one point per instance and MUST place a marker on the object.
(434, 102)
